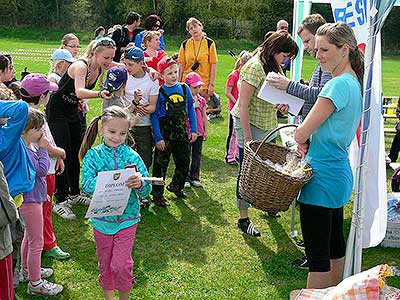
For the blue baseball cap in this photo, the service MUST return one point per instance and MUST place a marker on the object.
(62, 54)
(134, 53)
(116, 77)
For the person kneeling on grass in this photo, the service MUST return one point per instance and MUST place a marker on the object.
(214, 107)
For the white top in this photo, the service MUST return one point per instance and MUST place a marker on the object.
(148, 88)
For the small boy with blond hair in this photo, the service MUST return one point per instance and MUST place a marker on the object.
(174, 106)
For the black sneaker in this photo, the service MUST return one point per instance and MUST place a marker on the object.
(247, 227)
(300, 244)
(160, 201)
(301, 263)
(144, 203)
(274, 215)
(178, 193)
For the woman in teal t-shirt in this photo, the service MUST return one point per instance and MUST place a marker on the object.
(330, 127)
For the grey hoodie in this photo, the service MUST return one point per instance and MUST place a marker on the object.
(5, 234)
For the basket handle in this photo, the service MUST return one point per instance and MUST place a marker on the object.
(271, 133)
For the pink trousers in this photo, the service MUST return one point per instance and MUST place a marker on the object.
(114, 253)
(32, 244)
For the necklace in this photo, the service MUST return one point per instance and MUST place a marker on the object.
(196, 55)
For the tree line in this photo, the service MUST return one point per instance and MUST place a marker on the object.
(249, 19)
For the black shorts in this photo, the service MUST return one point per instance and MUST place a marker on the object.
(322, 229)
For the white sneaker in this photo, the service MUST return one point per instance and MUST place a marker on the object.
(45, 288)
(196, 183)
(44, 273)
(187, 184)
(78, 199)
(63, 210)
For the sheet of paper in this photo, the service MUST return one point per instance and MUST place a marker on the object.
(111, 195)
(277, 96)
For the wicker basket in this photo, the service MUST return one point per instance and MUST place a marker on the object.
(261, 185)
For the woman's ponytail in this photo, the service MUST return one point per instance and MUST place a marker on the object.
(356, 58)
(90, 137)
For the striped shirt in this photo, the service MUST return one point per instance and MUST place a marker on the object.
(309, 93)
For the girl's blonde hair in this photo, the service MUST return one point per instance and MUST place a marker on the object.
(148, 36)
(244, 56)
(36, 119)
(98, 46)
(54, 64)
(67, 38)
(7, 94)
(92, 131)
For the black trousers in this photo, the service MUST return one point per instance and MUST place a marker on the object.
(67, 135)
(143, 143)
(395, 147)
(180, 154)
(195, 159)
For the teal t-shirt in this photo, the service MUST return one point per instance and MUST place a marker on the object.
(332, 183)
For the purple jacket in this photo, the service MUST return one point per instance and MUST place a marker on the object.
(41, 162)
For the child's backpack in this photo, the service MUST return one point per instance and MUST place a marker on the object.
(396, 180)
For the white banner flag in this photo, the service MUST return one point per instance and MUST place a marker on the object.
(356, 14)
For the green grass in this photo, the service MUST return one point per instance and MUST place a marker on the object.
(193, 249)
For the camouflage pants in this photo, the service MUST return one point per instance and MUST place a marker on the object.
(180, 154)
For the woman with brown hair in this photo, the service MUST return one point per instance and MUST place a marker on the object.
(71, 42)
(253, 117)
(330, 127)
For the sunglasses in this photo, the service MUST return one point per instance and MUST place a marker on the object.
(105, 42)
(156, 26)
(74, 46)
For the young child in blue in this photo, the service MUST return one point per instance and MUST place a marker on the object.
(114, 235)
(174, 106)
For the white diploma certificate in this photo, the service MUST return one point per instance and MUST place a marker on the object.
(277, 96)
(111, 195)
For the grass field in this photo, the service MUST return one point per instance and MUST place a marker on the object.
(193, 249)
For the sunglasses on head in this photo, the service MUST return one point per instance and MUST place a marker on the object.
(105, 43)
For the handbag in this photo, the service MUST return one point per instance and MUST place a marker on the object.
(8, 210)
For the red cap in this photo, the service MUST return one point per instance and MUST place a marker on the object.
(165, 63)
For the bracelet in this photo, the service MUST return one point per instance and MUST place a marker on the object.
(99, 94)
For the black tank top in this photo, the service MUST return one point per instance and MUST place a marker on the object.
(63, 104)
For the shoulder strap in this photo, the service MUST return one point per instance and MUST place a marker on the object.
(122, 36)
(164, 93)
(184, 91)
(184, 44)
(209, 42)
(85, 62)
